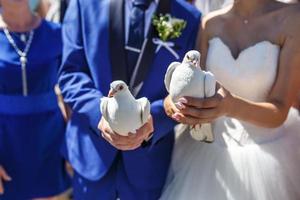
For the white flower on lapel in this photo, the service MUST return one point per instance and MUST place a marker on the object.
(168, 28)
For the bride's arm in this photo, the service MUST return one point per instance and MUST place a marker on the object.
(271, 113)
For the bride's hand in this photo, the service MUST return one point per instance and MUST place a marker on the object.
(195, 111)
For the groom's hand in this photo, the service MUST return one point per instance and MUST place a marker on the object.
(126, 143)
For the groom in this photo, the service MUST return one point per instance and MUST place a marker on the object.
(106, 40)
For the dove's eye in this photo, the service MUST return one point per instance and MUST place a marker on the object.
(121, 87)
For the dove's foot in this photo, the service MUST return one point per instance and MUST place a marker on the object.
(202, 133)
(197, 134)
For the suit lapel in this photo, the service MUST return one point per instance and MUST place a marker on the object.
(148, 52)
(117, 40)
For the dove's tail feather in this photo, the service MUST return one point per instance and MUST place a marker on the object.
(210, 84)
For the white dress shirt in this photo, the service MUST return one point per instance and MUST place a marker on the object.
(148, 16)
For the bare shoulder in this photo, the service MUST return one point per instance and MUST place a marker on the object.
(291, 21)
(214, 21)
(2, 23)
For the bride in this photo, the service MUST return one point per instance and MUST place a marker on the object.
(253, 48)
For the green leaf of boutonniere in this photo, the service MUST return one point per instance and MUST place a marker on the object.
(168, 27)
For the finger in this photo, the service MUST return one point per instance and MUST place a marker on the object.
(201, 113)
(5, 176)
(107, 137)
(127, 147)
(108, 130)
(185, 119)
(180, 106)
(137, 138)
(104, 126)
(122, 140)
(101, 124)
(114, 137)
(130, 140)
(192, 120)
(133, 147)
(141, 131)
(144, 133)
(119, 146)
(188, 120)
(170, 107)
(1, 187)
(174, 108)
(210, 102)
(134, 136)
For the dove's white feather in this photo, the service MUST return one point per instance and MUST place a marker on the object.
(187, 80)
(145, 109)
(210, 84)
(169, 73)
(123, 115)
(103, 106)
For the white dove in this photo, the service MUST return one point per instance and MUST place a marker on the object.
(122, 111)
(187, 79)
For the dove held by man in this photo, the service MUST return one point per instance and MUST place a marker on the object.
(122, 111)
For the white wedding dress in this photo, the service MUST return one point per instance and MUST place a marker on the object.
(245, 162)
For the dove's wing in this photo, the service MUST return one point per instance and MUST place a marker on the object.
(103, 107)
(145, 109)
(168, 75)
(210, 84)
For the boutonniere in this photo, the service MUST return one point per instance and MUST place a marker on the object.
(168, 28)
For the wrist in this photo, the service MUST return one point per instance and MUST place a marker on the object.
(230, 105)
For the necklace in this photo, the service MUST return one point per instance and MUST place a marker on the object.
(22, 55)
(245, 19)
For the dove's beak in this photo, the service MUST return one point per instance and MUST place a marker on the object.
(195, 62)
(112, 92)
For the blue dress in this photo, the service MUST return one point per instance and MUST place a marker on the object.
(31, 127)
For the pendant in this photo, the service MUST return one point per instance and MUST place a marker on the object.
(246, 21)
(23, 60)
(23, 38)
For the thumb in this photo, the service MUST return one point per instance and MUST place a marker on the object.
(4, 174)
(1, 187)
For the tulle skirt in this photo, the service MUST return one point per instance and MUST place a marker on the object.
(228, 169)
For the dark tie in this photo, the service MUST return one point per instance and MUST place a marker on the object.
(136, 33)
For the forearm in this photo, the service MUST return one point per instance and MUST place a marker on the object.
(81, 96)
(264, 114)
(162, 123)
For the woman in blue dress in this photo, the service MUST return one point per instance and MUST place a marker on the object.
(31, 124)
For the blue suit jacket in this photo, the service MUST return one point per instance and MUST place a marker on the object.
(94, 56)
